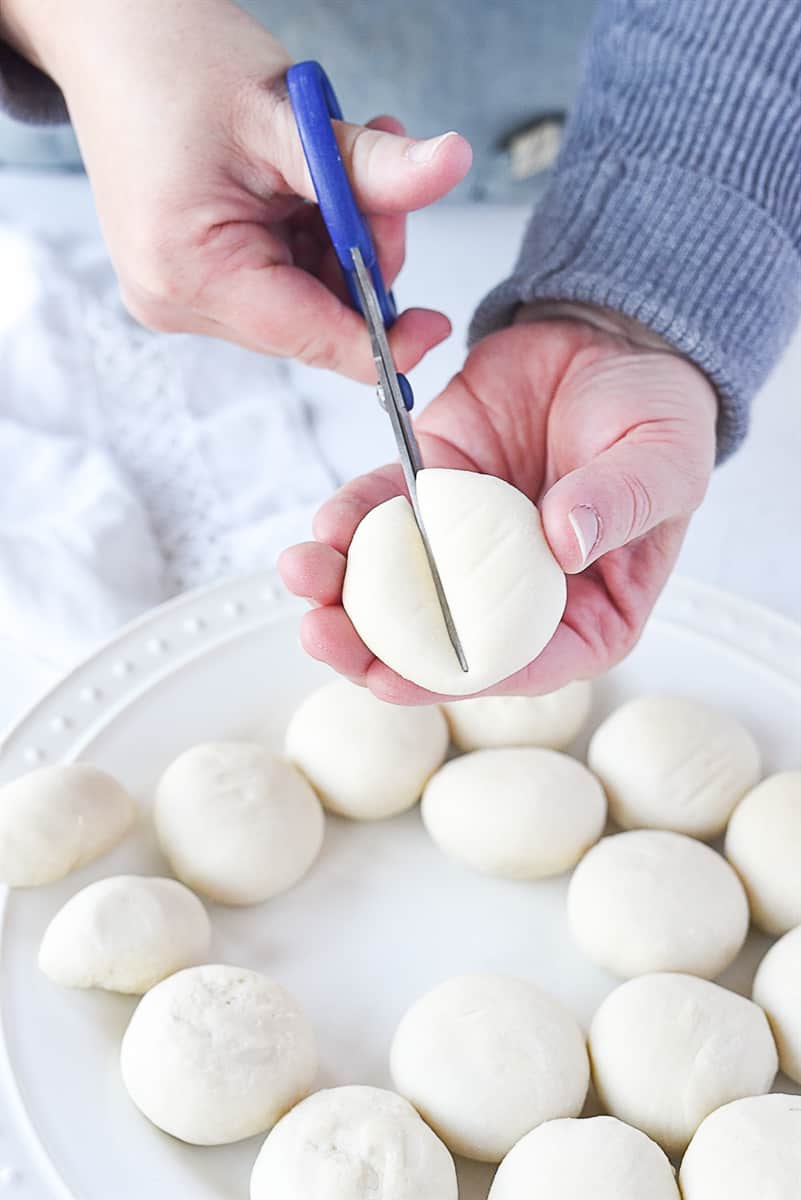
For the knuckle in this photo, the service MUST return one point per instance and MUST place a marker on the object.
(640, 505)
(148, 311)
(324, 347)
(364, 156)
(163, 259)
(320, 350)
(163, 282)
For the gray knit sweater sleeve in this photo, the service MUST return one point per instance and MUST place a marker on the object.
(676, 198)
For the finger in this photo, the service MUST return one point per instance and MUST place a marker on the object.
(389, 235)
(624, 493)
(388, 124)
(328, 635)
(389, 230)
(314, 572)
(389, 173)
(281, 310)
(337, 520)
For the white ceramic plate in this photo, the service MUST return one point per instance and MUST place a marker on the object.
(382, 917)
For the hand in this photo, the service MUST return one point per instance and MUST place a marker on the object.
(614, 441)
(201, 184)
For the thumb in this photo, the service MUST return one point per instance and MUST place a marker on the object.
(389, 173)
(626, 491)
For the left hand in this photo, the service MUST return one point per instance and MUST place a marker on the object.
(201, 184)
(615, 442)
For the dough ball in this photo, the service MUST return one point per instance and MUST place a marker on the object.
(56, 819)
(237, 823)
(551, 721)
(672, 763)
(505, 588)
(521, 813)
(763, 844)
(667, 1050)
(485, 1058)
(599, 1158)
(655, 901)
(748, 1150)
(125, 934)
(777, 989)
(353, 1143)
(216, 1054)
(365, 758)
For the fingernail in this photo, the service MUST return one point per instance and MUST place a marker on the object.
(423, 152)
(587, 529)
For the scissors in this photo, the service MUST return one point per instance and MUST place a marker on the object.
(315, 105)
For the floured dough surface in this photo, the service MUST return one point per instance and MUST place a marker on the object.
(365, 759)
(236, 822)
(353, 1143)
(505, 588)
(669, 1049)
(215, 1054)
(552, 721)
(56, 819)
(520, 812)
(763, 844)
(125, 934)
(777, 989)
(748, 1150)
(668, 762)
(650, 900)
(595, 1159)
(485, 1059)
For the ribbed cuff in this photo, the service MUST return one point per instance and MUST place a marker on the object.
(26, 93)
(699, 264)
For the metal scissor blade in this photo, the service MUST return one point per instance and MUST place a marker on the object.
(391, 397)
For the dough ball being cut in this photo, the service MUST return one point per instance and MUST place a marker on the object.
(667, 1050)
(353, 1143)
(485, 1059)
(237, 823)
(365, 759)
(216, 1054)
(551, 721)
(522, 813)
(673, 763)
(777, 989)
(599, 1158)
(57, 819)
(748, 1150)
(505, 589)
(649, 900)
(763, 844)
(125, 934)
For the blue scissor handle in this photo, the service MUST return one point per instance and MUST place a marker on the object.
(315, 104)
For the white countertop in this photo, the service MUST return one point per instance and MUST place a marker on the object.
(745, 539)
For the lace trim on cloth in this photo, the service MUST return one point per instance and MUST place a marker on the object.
(201, 457)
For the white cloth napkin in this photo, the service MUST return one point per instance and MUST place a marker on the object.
(133, 465)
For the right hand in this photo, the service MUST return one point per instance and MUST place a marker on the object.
(201, 184)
